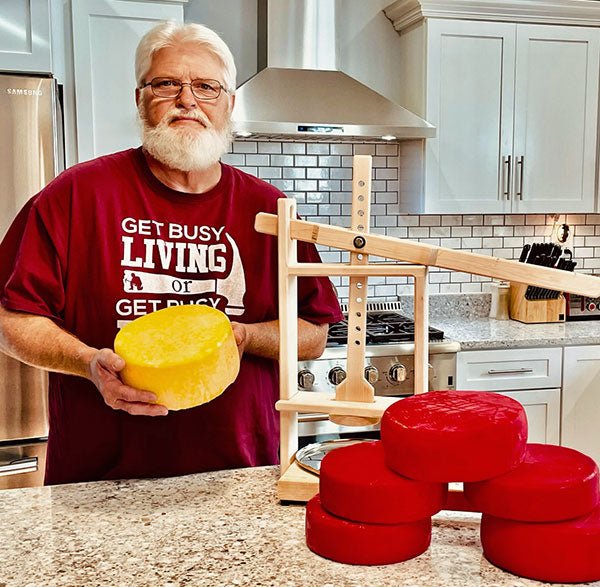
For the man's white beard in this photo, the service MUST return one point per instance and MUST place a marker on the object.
(184, 149)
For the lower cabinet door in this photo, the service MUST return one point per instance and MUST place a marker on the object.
(542, 407)
(581, 400)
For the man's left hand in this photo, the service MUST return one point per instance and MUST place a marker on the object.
(240, 331)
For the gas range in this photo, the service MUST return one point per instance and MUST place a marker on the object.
(389, 361)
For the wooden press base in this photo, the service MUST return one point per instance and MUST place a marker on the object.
(297, 484)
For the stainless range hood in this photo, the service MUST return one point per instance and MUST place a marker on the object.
(301, 94)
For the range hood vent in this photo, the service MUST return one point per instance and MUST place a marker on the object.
(302, 95)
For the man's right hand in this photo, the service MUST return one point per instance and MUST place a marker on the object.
(104, 370)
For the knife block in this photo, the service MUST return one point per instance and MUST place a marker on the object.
(535, 311)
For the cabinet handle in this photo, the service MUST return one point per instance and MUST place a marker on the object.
(521, 164)
(506, 172)
(509, 371)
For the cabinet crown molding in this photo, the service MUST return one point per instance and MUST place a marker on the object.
(404, 13)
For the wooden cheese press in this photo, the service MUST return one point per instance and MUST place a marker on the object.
(354, 403)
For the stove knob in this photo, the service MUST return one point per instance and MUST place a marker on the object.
(371, 374)
(336, 375)
(397, 373)
(305, 379)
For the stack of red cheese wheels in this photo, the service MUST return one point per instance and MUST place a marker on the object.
(542, 519)
(446, 436)
(540, 503)
(365, 513)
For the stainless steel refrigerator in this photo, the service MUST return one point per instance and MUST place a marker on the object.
(31, 154)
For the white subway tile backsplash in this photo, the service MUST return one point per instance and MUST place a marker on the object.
(503, 230)
(473, 220)
(363, 149)
(493, 220)
(317, 149)
(318, 173)
(430, 220)
(294, 172)
(258, 160)
(391, 149)
(340, 173)
(268, 147)
(534, 219)
(449, 220)
(418, 232)
(245, 147)
(270, 173)
(341, 149)
(584, 230)
(319, 177)
(483, 231)
(294, 148)
(439, 231)
(306, 185)
(282, 160)
(462, 231)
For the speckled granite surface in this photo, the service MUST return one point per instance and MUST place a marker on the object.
(487, 333)
(464, 318)
(214, 529)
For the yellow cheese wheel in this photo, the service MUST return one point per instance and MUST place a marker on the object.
(186, 355)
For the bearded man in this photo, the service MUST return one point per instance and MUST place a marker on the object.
(143, 229)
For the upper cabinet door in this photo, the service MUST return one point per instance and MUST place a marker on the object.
(105, 36)
(25, 36)
(556, 108)
(470, 91)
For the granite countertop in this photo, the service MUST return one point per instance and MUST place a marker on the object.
(478, 333)
(212, 529)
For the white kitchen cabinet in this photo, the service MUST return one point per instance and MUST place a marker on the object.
(515, 107)
(581, 400)
(542, 407)
(530, 376)
(25, 36)
(105, 36)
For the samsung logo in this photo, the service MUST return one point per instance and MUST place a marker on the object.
(24, 92)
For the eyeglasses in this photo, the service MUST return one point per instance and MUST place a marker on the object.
(203, 89)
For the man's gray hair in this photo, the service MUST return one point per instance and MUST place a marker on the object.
(168, 34)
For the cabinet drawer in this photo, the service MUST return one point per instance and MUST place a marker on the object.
(510, 369)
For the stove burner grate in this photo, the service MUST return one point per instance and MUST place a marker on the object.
(382, 328)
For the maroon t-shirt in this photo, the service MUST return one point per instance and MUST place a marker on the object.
(106, 242)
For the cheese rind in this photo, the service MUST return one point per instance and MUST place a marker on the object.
(557, 552)
(447, 436)
(356, 484)
(186, 355)
(552, 483)
(363, 544)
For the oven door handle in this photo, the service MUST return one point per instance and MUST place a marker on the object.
(18, 466)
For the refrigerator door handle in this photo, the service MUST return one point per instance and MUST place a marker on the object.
(18, 466)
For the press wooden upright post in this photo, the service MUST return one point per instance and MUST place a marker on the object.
(288, 330)
(355, 387)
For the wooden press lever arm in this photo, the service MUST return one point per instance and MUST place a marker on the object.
(431, 255)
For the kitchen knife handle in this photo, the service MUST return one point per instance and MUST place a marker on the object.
(521, 164)
(506, 170)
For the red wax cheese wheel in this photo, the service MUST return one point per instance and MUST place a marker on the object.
(448, 436)
(356, 484)
(559, 552)
(552, 483)
(363, 544)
